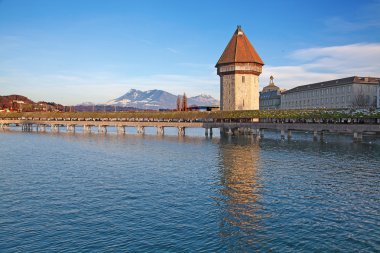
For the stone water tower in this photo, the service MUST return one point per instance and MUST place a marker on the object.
(239, 68)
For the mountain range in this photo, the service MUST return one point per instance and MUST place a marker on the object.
(158, 99)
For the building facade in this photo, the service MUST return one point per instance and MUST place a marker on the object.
(378, 95)
(350, 92)
(270, 96)
(239, 68)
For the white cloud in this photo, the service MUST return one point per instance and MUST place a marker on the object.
(326, 63)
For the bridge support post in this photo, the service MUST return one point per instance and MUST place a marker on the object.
(256, 133)
(210, 132)
(261, 133)
(102, 129)
(3, 126)
(322, 136)
(315, 135)
(282, 134)
(120, 129)
(224, 131)
(206, 132)
(86, 129)
(181, 131)
(70, 128)
(289, 134)
(358, 136)
(55, 128)
(160, 130)
(140, 130)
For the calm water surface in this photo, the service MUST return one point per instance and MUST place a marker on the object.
(84, 193)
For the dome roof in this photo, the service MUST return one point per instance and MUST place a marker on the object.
(271, 86)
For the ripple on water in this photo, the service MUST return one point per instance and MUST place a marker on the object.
(73, 193)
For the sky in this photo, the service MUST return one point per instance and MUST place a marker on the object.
(74, 51)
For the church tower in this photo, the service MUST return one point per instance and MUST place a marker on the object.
(239, 68)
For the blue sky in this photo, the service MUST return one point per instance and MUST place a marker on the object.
(72, 51)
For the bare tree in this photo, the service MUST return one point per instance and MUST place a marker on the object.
(361, 100)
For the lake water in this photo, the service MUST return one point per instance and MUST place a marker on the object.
(107, 193)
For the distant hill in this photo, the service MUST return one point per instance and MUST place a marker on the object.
(8, 101)
(22, 103)
(157, 99)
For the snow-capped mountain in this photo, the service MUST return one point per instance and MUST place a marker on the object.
(157, 99)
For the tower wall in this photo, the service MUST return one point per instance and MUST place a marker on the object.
(239, 92)
(246, 92)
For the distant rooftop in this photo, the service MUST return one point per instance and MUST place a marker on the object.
(336, 82)
(239, 50)
(269, 95)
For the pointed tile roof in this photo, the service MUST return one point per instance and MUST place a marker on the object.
(239, 49)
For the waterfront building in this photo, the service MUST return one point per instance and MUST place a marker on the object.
(239, 68)
(349, 92)
(270, 96)
(378, 95)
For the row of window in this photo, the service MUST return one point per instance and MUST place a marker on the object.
(317, 101)
(314, 93)
(270, 102)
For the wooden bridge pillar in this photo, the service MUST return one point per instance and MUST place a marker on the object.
(358, 136)
(321, 135)
(282, 134)
(28, 127)
(4, 126)
(55, 128)
(208, 131)
(140, 130)
(120, 129)
(181, 131)
(315, 135)
(289, 134)
(70, 128)
(160, 130)
(86, 129)
(102, 129)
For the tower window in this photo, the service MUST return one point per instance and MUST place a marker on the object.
(243, 79)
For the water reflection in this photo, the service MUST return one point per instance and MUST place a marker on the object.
(242, 214)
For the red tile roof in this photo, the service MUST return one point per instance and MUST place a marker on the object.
(239, 49)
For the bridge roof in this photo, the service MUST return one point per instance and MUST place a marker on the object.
(239, 50)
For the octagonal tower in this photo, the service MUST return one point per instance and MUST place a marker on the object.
(239, 68)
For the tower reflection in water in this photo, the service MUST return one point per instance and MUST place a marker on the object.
(241, 223)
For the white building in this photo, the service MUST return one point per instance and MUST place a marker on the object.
(378, 95)
(349, 92)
